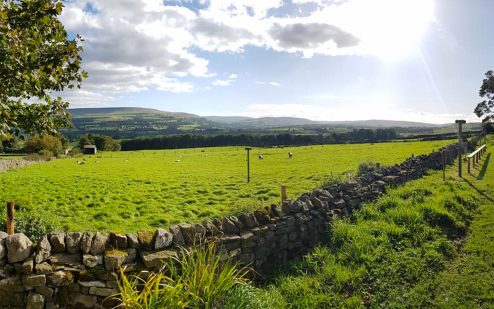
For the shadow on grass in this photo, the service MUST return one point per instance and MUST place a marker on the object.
(479, 191)
(484, 167)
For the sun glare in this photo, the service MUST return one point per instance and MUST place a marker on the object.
(397, 27)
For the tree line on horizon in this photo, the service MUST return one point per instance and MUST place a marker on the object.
(258, 140)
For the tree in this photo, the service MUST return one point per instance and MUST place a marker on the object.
(37, 58)
(46, 142)
(486, 108)
(102, 142)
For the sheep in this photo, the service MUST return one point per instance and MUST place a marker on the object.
(261, 157)
(290, 155)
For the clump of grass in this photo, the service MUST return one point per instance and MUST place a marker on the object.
(246, 296)
(196, 279)
(331, 180)
(365, 167)
(157, 291)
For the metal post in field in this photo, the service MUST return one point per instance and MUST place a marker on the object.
(283, 193)
(460, 123)
(10, 218)
(248, 162)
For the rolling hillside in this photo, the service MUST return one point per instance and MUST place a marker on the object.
(133, 122)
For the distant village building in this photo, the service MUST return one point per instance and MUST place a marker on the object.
(90, 149)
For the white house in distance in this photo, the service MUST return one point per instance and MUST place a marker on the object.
(90, 149)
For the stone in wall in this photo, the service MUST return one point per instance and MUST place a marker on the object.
(100, 243)
(73, 242)
(3, 247)
(19, 247)
(57, 241)
(43, 250)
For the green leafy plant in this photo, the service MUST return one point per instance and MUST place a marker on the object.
(32, 225)
(365, 167)
(157, 291)
(198, 278)
(331, 179)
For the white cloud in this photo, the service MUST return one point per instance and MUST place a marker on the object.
(222, 82)
(84, 98)
(131, 46)
(347, 112)
(311, 35)
(137, 45)
(275, 84)
(225, 82)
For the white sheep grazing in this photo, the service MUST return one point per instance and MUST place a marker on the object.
(81, 162)
(261, 157)
(290, 155)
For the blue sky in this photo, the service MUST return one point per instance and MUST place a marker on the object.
(417, 60)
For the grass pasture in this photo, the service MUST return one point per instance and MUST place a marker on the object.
(128, 191)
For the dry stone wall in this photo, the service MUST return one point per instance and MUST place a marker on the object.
(8, 164)
(78, 269)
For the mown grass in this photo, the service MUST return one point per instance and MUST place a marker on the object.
(403, 251)
(128, 191)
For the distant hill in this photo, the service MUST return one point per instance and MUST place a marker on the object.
(374, 123)
(276, 122)
(129, 112)
(259, 123)
(132, 122)
(135, 122)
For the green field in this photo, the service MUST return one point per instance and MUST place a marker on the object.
(128, 191)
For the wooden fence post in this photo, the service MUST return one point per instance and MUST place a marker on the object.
(283, 193)
(10, 218)
(248, 149)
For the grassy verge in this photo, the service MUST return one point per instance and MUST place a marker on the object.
(403, 251)
(468, 282)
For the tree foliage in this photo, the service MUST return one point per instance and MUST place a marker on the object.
(258, 140)
(102, 142)
(35, 144)
(486, 107)
(37, 58)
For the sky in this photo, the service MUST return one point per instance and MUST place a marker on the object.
(414, 60)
